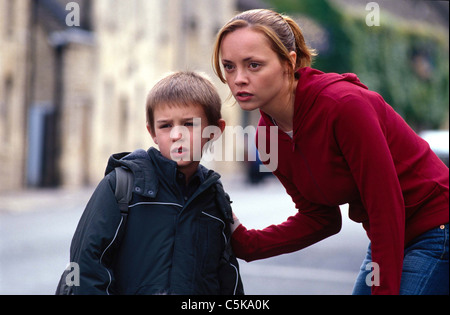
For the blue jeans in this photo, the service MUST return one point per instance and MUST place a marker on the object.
(425, 266)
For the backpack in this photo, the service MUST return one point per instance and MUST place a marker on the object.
(123, 194)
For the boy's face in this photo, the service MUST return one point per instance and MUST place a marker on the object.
(177, 129)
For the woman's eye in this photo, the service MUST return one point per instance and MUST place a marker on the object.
(228, 67)
(254, 65)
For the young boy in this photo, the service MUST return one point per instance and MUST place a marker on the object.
(176, 239)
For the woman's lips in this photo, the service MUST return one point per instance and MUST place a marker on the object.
(244, 96)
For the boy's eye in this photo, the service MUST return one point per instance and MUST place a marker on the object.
(189, 124)
(164, 126)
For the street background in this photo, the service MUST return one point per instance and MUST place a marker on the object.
(36, 228)
(74, 75)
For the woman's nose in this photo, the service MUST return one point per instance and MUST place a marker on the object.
(241, 78)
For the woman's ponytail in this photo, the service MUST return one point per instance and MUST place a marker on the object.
(304, 53)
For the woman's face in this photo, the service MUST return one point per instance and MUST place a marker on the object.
(254, 73)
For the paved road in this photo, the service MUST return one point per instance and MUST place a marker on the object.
(36, 228)
(328, 267)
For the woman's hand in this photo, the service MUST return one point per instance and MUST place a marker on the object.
(235, 224)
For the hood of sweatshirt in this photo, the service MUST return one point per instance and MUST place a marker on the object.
(310, 84)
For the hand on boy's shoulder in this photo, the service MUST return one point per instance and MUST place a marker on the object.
(236, 223)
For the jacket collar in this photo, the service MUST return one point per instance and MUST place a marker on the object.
(138, 162)
(150, 166)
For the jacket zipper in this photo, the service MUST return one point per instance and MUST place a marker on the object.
(205, 185)
(226, 242)
(223, 223)
(106, 249)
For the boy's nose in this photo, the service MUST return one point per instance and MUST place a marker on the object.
(178, 133)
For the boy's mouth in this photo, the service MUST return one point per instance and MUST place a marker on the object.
(179, 150)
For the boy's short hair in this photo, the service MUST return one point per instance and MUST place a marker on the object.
(184, 89)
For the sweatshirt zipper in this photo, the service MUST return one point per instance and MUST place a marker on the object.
(284, 134)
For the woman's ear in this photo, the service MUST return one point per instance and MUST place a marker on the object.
(293, 56)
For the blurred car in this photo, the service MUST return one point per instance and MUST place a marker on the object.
(439, 143)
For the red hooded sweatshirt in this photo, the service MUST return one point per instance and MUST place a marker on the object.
(350, 146)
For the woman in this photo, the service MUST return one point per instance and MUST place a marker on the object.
(338, 143)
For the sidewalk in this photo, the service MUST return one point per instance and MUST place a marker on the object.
(41, 199)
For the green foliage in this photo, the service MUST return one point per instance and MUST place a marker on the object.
(407, 63)
(336, 58)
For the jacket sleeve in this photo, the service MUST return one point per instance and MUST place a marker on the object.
(93, 242)
(362, 136)
(311, 224)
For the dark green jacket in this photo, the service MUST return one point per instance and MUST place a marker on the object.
(169, 245)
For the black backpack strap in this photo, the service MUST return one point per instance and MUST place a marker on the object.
(124, 189)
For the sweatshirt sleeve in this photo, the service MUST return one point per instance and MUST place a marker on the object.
(311, 224)
(360, 128)
(93, 241)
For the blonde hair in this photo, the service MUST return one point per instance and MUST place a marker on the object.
(283, 33)
(184, 89)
